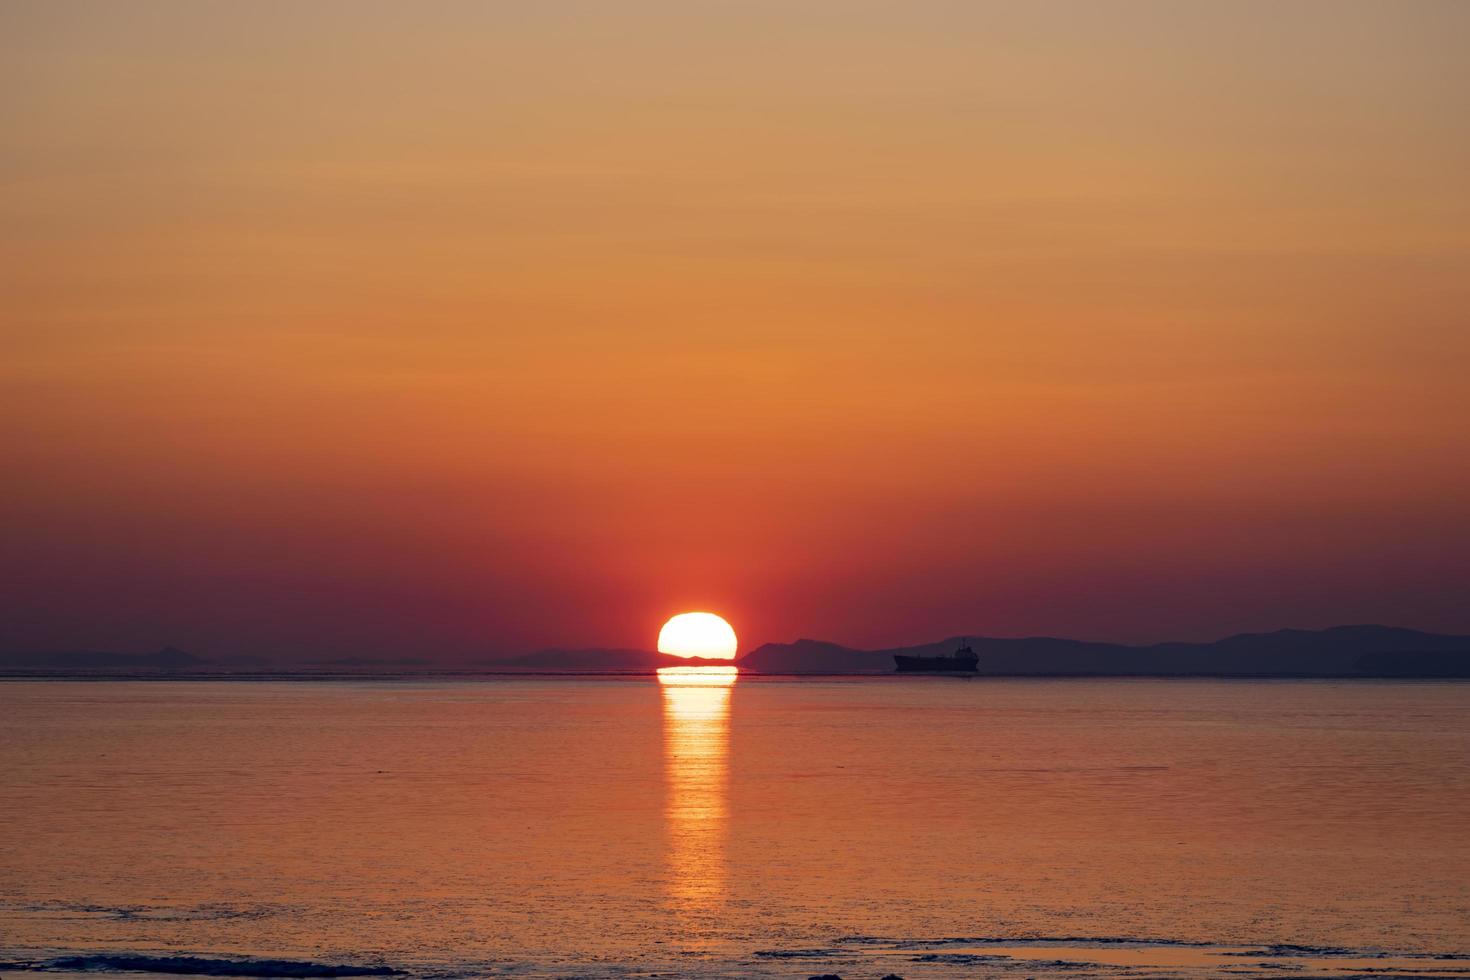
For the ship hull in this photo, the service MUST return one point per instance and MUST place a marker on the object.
(936, 665)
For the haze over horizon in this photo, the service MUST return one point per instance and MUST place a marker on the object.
(405, 330)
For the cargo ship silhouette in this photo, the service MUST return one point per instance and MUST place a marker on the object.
(962, 660)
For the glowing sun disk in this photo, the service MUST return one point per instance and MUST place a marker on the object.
(698, 634)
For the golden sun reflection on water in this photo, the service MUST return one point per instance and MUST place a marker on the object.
(696, 779)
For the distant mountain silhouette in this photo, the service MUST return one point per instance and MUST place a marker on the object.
(169, 659)
(1342, 651)
(817, 656)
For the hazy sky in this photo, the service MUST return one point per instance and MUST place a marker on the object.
(465, 328)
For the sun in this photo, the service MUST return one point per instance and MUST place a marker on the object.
(698, 634)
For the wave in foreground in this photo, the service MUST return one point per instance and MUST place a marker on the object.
(198, 966)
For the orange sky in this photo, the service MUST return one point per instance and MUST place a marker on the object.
(451, 329)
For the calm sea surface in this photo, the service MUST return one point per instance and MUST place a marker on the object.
(931, 827)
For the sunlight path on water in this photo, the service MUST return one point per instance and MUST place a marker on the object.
(696, 714)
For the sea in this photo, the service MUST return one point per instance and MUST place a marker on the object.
(736, 826)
